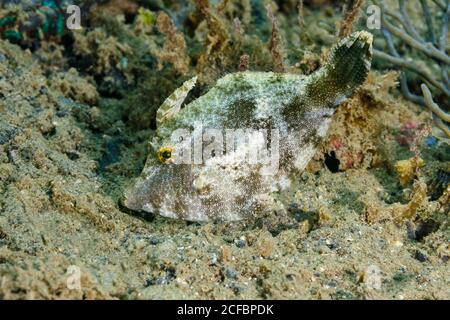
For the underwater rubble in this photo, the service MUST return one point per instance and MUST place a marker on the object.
(367, 219)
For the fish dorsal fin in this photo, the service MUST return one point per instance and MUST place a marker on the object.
(172, 104)
(344, 72)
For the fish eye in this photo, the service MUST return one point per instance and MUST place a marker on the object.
(165, 154)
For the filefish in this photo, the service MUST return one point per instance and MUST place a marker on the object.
(224, 156)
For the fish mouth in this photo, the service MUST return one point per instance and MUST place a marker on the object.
(129, 203)
(134, 211)
(136, 196)
(158, 194)
(139, 199)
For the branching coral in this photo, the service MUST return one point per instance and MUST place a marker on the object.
(433, 49)
(218, 38)
(226, 33)
(439, 115)
(275, 43)
(352, 11)
(174, 50)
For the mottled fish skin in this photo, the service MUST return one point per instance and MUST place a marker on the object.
(299, 108)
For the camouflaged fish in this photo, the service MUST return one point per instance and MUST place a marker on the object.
(224, 155)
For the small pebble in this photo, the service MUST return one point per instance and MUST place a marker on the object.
(231, 273)
(240, 243)
(73, 155)
(62, 113)
(331, 284)
(154, 240)
(65, 103)
(214, 258)
(331, 244)
(420, 256)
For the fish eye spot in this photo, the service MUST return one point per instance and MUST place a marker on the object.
(164, 154)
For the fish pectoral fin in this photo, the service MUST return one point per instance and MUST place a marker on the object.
(172, 105)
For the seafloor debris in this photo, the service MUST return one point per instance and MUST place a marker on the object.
(418, 200)
(407, 169)
(353, 139)
(293, 109)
